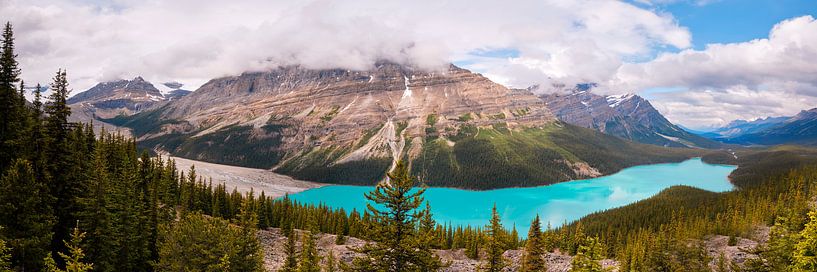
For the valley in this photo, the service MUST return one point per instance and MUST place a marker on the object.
(397, 136)
(245, 179)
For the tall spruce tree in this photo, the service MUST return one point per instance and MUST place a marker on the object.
(534, 248)
(60, 161)
(393, 227)
(427, 239)
(37, 137)
(10, 110)
(249, 248)
(291, 260)
(309, 259)
(25, 216)
(495, 244)
(96, 215)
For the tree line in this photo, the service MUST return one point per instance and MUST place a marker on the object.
(75, 200)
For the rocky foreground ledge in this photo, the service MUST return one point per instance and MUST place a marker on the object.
(274, 241)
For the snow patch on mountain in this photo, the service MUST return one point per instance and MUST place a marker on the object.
(615, 100)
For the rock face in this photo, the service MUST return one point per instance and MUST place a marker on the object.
(108, 99)
(452, 126)
(337, 107)
(627, 116)
(114, 98)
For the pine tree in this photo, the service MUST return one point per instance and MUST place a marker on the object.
(805, 252)
(61, 161)
(331, 262)
(102, 244)
(495, 244)
(588, 256)
(5, 256)
(427, 240)
(534, 248)
(37, 137)
(248, 246)
(310, 260)
(291, 261)
(26, 217)
(393, 229)
(721, 264)
(74, 258)
(203, 243)
(10, 110)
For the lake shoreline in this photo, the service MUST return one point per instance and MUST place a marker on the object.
(555, 203)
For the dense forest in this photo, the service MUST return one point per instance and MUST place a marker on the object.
(75, 200)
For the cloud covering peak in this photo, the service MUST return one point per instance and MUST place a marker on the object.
(616, 44)
(193, 41)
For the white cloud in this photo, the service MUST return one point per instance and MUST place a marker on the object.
(193, 41)
(554, 41)
(758, 78)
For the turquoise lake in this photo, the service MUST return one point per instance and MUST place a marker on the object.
(557, 203)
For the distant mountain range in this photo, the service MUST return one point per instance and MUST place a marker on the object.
(628, 116)
(456, 128)
(120, 97)
(123, 97)
(799, 129)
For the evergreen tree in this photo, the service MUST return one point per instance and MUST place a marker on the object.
(249, 247)
(102, 244)
(10, 110)
(37, 138)
(427, 240)
(291, 261)
(202, 243)
(805, 252)
(60, 161)
(74, 258)
(534, 249)
(393, 228)
(721, 264)
(26, 217)
(5, 256)
(331, 262)
(588, 256)
(310, 260)
(495, 244)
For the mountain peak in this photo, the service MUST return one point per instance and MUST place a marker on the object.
(625, 115)
(107, 99)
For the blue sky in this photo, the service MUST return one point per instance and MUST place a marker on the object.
(731, 21)
(712, 21)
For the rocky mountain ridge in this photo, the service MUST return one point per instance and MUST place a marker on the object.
(800, 129)
(120, 97)
(628, 116)
(740, 127)
(455, 128)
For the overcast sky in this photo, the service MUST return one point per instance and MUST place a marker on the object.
(701, 62)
